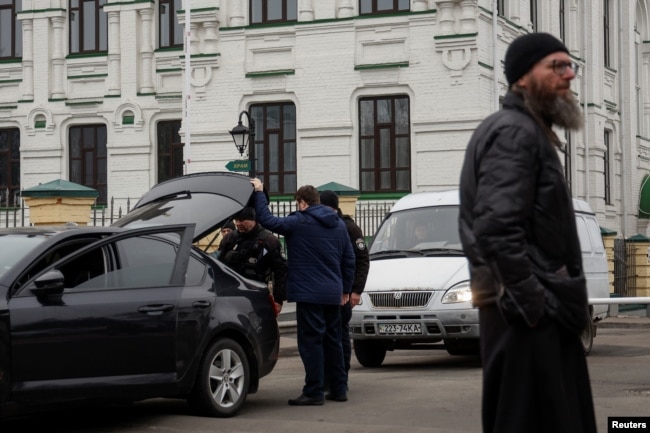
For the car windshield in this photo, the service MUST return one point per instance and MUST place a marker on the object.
(15, 247)
(426, 229)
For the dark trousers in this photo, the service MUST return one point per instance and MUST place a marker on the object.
(535, 380)
(346, 343)
(319, 345)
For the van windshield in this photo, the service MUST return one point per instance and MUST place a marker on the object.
(421, 229)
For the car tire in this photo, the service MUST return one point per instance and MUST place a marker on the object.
(223, 380)
(587, 335)
(463, 346)
(369, 353)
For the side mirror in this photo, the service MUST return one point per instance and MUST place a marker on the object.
(50, 283)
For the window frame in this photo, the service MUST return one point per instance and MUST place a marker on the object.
(16, 43)
(534, 15)
(173, 26)
(607, 175)
(77, 26)
(374, 9)
(263, 142)
(377, 128)
(265, 6)
(99, 155)
(13, 148)
(562, 20)
(501, 8)
(607, 43)
(168, 144)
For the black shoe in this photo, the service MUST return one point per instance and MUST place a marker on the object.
(303, 400)
(336, 397)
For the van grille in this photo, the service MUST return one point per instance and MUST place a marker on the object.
(400, 299)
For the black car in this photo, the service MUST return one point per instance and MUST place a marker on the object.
(135, 310)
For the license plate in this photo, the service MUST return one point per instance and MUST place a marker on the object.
(399, 328)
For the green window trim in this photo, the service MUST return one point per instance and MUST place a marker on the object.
(86, 55)
(170, 96)
(81, 77)
(458, 36)
(128, 120)
(82, 103)
(381, 66)
(270, 73)
(40, 124)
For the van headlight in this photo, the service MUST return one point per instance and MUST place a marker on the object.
(457, 294)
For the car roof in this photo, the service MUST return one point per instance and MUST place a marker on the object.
(452, 198)
(427, 199)
(582, 206)
(54, 229)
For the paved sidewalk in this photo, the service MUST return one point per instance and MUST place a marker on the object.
(627, 320)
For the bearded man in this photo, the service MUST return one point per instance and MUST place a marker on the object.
(518, 230)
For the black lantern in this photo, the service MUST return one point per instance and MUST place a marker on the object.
(245, 138)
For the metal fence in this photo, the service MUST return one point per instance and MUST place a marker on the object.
(624, 268)
(100, 215)
(368, 214)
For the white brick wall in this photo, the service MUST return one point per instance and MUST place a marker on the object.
(449, 80)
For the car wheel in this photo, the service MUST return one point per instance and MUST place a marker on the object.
(463, 346)
(369, 353)
(587, 335)
(222, 381)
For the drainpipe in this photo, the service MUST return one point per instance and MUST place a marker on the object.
(621, 116)
(495, 77)
(585, 99)
(187, 89)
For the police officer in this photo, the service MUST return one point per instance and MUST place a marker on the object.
(361, 267)
(255, 253)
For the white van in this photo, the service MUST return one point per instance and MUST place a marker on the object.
(417, 294)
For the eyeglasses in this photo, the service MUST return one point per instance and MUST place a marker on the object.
(560, 66)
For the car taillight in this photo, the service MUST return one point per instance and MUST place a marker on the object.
(274, 305)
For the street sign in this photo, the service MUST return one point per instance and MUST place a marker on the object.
(239, 165)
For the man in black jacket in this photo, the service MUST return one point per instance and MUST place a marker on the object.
(361, 267)
(255, 253)
(517, 227)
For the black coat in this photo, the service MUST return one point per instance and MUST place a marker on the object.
(518, 230)
(517, 223)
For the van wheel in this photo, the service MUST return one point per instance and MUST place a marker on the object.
(369, 353)
(463, 346)
(587, 335)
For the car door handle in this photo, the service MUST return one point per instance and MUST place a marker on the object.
(201, 304)
(156, 309)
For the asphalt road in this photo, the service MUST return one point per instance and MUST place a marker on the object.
(423, 391)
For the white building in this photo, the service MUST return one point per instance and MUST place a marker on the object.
(378, 95)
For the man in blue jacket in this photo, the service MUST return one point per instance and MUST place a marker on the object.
(319, 281)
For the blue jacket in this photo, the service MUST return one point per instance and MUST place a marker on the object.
(319, 252)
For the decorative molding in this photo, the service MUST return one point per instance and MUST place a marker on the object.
(35, 116)
(133, 120)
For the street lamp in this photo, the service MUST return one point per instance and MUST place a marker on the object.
(245, 137)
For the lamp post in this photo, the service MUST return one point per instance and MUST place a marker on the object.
(245, 137)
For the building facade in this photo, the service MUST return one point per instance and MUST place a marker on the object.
(378, 95)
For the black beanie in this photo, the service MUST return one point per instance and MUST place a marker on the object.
(525, 51)
(248, 213)
(228, 225)
(329, 198)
